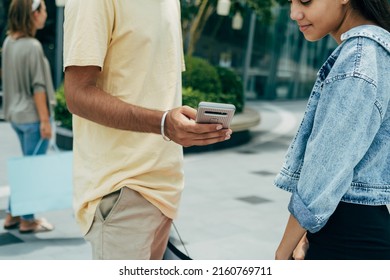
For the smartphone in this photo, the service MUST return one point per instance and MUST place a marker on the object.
(211, 112)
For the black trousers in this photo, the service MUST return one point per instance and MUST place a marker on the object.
(353, 232)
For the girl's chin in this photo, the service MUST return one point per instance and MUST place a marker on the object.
(312, 38)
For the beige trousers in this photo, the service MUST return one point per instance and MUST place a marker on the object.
(128, 227)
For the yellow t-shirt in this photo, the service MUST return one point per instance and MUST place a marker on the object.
(138, 46)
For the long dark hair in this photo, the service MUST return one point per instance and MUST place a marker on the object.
(375, 10)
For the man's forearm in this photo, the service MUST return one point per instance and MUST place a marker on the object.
(98, 106)
(88, 101)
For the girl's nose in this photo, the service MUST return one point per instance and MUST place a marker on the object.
(295, 12)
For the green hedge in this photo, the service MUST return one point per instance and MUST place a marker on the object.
(192, 97)
(201, 75)
(61, 113)
(232, 88)
(204, 82)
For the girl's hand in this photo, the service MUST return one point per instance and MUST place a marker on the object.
(45, 129)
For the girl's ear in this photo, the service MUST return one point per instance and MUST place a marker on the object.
(34, 15)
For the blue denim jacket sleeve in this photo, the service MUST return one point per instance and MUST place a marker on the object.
(345, 123)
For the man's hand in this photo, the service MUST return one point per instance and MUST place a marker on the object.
(180, 127)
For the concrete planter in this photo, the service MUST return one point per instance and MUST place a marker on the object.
(64, 138)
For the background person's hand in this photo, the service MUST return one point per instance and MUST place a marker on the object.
(180, 127)
(45, 129)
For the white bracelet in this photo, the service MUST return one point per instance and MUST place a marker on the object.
(163, 126)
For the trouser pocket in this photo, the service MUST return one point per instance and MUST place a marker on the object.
(107, 204)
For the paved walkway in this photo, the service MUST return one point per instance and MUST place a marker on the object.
(229, 210)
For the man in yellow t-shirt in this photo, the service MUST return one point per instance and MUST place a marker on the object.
(123, 61)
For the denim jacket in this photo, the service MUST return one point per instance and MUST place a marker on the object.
(341, 151)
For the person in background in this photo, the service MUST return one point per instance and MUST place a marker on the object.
(28, 92)
(338, 165)
(123, 61)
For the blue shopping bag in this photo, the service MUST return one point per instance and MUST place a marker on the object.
(40, 183)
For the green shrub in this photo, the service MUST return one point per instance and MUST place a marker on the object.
(204, 82)
(61, 113)
(192, 97)
(201, 75)
(232, 88)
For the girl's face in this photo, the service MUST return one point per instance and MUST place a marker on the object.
(318, 18)
(40, 16)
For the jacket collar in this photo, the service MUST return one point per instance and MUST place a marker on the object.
(376, 33)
